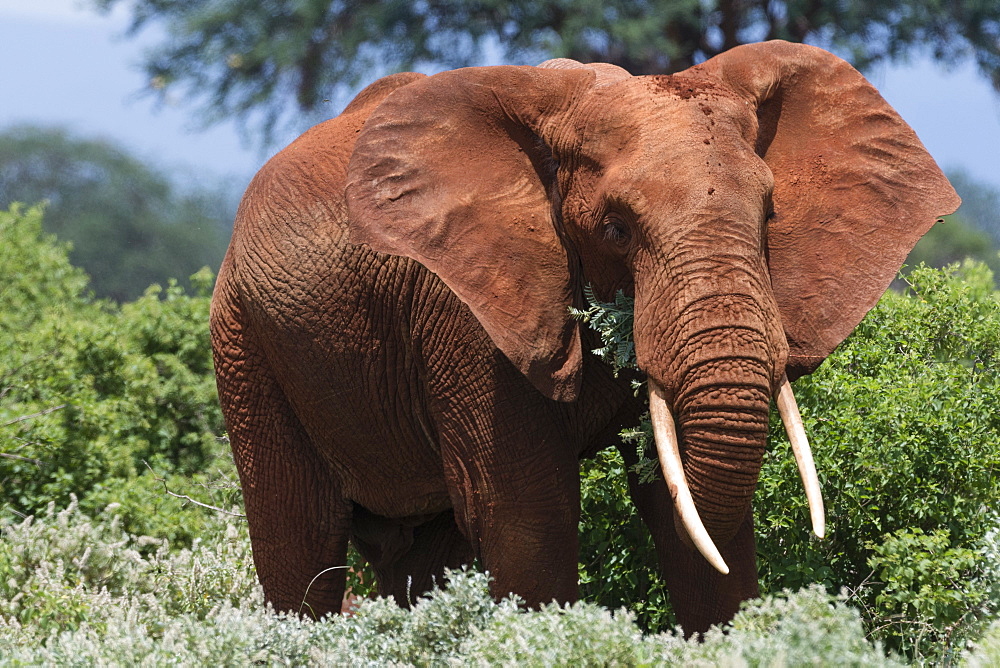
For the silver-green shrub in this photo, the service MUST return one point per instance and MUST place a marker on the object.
(985, 653)
(91, 595)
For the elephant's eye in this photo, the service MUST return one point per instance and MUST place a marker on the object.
(616, 231)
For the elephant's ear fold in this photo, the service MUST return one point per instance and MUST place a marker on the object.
(854, 188)
(455, 171)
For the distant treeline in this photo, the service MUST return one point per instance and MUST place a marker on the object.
(130, 224)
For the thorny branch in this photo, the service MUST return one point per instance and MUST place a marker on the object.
(185, 497)
(34, 415)
(20, 458)
(36, 462)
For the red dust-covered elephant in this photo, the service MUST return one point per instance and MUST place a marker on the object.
(396, 361)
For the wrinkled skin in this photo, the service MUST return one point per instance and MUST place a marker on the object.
(395, 359)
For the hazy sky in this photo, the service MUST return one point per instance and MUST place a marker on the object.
(63, 64)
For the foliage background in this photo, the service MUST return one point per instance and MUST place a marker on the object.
(906, 438)
(104, 554)
(129, 224)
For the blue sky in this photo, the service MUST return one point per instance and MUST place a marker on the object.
(63, 64)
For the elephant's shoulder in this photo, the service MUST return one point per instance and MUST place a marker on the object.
(310, 173)
(373, 94)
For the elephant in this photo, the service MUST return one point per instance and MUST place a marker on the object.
(395, 356)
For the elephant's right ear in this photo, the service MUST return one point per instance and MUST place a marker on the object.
(455, 171)
(854, 188)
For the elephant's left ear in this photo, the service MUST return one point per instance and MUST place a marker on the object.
(854, 188)
(456, 172)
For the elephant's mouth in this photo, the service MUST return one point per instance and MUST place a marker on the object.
(668, 451)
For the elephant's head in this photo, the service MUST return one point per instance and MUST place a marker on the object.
(757, 205)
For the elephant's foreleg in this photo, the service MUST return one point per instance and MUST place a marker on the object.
(298, 519)
(515, 486)
(530, 546)
(700, 595)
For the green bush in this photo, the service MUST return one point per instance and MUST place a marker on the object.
(906, 437)
(905, 432)
(90, 391)
(618, 565)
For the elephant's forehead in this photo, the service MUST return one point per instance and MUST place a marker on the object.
(689, 87)
(666, 111)
(691, 134)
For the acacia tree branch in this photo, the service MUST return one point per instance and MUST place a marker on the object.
(34, 415)
(7, 455)
(185, 497)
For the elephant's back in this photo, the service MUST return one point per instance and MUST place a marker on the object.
(338, 325)
(293, 214)
(332, 321)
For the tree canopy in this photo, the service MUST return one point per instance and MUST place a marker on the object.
(972, 232)
(980, 203)
(129, 224)
(260, 61)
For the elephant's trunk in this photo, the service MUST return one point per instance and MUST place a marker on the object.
(722, 427)
(714, 363)
(668, 451)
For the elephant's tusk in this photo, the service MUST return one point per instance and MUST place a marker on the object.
(792, 420)
(668, 450)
